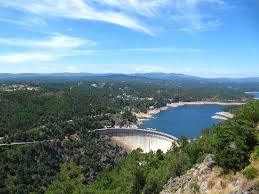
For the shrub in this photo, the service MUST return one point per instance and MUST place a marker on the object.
(195, 187)
(250, 172)
(234, 141)
(255, 154)
(256, 186)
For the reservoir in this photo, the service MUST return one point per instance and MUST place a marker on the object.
(187, 120)
(255, 94)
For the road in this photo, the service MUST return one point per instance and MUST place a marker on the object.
(23, 143)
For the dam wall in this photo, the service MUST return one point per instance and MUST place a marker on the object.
(147, 140)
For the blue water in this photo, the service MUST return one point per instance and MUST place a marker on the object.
(186, 121)
(255, 94)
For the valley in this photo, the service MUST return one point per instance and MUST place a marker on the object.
(58, 122)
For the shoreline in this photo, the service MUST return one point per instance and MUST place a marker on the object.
(142, 117)
(252, 92)
(222, 115)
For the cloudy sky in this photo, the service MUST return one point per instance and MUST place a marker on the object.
(209, 38)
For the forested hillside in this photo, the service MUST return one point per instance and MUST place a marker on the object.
(61, 122)
(139, 96)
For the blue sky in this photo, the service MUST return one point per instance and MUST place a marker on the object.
(209, 38)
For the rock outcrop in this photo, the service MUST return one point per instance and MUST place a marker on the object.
(207, 178)
(193, 181)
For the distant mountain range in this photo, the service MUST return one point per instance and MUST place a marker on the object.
(182, 77)
(170, 77)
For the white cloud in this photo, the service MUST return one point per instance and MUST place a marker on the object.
(163, 50)
(189, 16)
(71, 69)
(151, 69)
(76, 9)
(57, 52)
(51, 48)
(55, 41)
(46, 68)
(146, 8)
(188, 70)
(220, 2)
(25, 21)
(147, 50)
(26, 57)
(133, 14)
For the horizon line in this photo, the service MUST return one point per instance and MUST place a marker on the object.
(132, 73)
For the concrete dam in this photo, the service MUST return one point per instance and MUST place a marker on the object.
(147, 140)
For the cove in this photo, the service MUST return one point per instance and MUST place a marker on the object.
(188, 120)
(254, 94)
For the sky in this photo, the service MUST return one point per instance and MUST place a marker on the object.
(208, 38)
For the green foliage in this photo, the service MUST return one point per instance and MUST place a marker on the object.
(231, 142)
(256, 186)
(250, 172)
(37, 115)
(195, 187)
(255, 154)
(139, 95)
(31, 168)
(147, 172)
(65, 120)
(127, 115)
(234, 142)
(249, 112)
(27, 168)
(69, 180)
(64, 114)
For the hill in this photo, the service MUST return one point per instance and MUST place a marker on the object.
(136, 76)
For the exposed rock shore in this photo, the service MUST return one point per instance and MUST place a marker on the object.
(223, 116)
